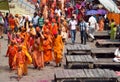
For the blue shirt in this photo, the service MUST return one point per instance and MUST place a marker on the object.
(82, 26)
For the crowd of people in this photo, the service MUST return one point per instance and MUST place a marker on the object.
(40, 40)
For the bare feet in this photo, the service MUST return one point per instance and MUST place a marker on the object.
(18, 79)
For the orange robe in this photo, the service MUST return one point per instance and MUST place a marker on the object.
(22, 68)
(37, 55)
(20, 62)
(12, 50)
(11, 23)
(26, 37)
(47, 49)
(47, 27)
(58, 49)
(54, 29)
(25, 50)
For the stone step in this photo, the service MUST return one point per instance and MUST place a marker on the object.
(22, 8)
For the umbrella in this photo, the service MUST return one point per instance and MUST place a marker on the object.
(101, 11)
(110, 6)
(91, 12)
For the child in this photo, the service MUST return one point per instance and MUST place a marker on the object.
(20, 62)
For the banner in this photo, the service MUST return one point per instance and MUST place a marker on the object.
(4, 5)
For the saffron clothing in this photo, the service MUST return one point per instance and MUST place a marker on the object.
(12, 50)
(58, 48)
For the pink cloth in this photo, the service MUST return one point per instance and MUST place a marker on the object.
(118, 73)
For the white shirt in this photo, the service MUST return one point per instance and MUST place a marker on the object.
(117, 52)
(92, 22)
(73, 24)
(58, 11)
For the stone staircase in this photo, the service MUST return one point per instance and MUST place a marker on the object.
(22, 7)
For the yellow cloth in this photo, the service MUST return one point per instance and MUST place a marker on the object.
(58, 48)
(29, 61)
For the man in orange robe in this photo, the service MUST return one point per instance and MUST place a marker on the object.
(47, 47)
(58, 49)
(37, 54)
(47, 26)
(12, 50)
